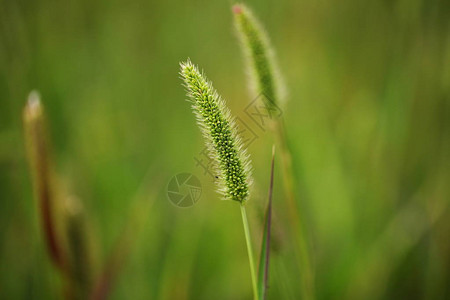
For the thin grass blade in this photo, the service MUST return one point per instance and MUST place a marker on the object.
(263, 271)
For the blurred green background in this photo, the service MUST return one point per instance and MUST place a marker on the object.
(367, 115)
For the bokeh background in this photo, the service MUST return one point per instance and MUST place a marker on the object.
(367, 117)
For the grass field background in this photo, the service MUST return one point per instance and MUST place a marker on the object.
(367, 117)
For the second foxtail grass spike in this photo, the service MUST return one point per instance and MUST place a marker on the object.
(41, 167)
(260, 59)
(62, 221)
(265, 79)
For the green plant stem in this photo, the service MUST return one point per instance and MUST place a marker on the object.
(303, 256)
(250, 251)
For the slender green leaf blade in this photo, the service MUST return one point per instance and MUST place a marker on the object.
(263, 272)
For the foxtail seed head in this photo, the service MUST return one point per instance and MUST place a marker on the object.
(37, 145)
(225, 148)
(263, 71)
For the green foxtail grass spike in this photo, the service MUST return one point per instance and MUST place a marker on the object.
(231, 161)
(263, 70)
(214, 118)
(41, 170)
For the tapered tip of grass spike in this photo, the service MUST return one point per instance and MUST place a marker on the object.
(264, 76)
(33, 108)
(185, 64)
(237, 9)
